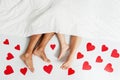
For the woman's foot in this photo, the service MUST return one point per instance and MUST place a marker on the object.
(40, 53)
(63, 49)
(67, 63)
(27, 59)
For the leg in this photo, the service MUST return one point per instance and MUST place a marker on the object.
(39, 51)
(27, 56)
(63, 45)
(74, 43)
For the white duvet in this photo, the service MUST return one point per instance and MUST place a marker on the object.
(85, 18)
(16, 15)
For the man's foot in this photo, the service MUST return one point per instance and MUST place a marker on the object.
(67, 63)
(27, 59)
(63, 49)
(40, 53)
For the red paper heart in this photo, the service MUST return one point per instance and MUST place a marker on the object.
(99, 59)
(90, 46)
(6, 42)
(8, 70)
(17, 47)
(71, 71)
(104, 48)
(48, 68)
(115, 54)
(9, 56)
(86, 66)
(23, 70)
(52, 46)
(79, 55)
(108, 67)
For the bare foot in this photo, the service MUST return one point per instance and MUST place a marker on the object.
(67, 63)
(27, 59)
(63, 49)
(40, 53)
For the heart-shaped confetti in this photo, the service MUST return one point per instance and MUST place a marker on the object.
(86, 66)
(108, 68)
(53, 46)
(99, 59)
(79, 55)
(71, 71)
(23, 70)
(9, 56)
(9, 70)
(115, 53)
(104, 48)
(48, 68)
(90, 47)
(6, 42)
(17, 47)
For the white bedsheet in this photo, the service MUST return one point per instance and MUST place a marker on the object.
(107, 66)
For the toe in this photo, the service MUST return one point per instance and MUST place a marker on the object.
(31, 69)
(48, 61)
(59, 57)
(62, 66)
(30, 66)
(65, 67)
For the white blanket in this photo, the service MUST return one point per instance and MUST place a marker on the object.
(85, 18)
(16, 15)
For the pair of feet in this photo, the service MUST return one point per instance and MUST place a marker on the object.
(27, 57)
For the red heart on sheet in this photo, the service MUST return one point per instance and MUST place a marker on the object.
(99, 59)
(90, 46)
(8, 70)
(79, 55)
(6, 42)
(23, 70)
(71, 71)
(52, 46)
(108, 67)
(115, 53)
(86, 66)
(104, 48)
(48, 68)
(9, 56)
(17, 47)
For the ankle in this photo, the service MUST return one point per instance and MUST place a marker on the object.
(40, 49)
(70, 58)
(27, 54)
(64, 45)
(29, 51)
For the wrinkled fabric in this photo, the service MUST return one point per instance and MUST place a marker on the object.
(99, 19)
(16, 16)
